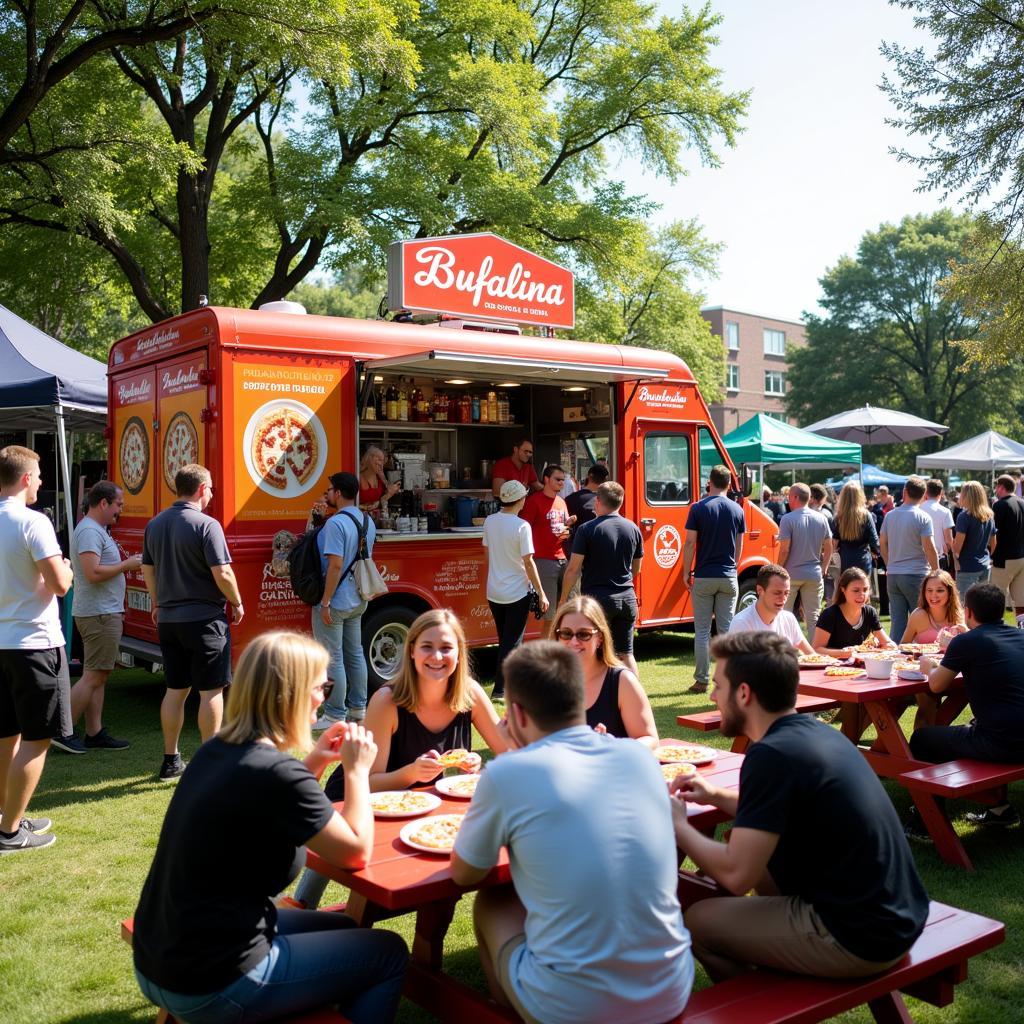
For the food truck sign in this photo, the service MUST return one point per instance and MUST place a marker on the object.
(480, 277)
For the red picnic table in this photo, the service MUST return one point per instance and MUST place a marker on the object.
(400, 880)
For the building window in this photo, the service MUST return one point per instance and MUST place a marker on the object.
(781, 416)
(774, 382)
(774, 343)
(732, 377)
(732, 335)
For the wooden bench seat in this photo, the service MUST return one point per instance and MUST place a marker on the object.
(711, 721)
(322, 1016)
(962, 778)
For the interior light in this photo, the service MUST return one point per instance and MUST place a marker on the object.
(575, 387)
(458, 380)
(507, 384)
(378, 379)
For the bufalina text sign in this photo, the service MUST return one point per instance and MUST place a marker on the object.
(480, 277)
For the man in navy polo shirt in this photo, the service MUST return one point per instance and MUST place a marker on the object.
(715, 527)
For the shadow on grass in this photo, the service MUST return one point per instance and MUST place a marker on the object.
(141, 1014)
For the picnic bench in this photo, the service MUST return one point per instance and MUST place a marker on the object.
(980, 780)
(711, 721)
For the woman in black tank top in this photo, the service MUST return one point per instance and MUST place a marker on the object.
(615, 700)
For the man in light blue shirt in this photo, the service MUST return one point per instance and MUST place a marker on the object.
(338, 619)
(908, 549)
(805, 546)
(590, 929)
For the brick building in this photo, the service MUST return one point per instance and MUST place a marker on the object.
(755, 352)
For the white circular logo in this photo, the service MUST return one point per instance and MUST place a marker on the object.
(667, 546)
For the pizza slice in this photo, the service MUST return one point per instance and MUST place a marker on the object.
(270, 441)
(301, 456)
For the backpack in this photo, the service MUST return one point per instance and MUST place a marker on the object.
(369, 582)
(304, 568)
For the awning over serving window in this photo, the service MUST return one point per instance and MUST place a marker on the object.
(471, 366)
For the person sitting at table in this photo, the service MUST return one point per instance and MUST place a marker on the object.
(429, 707)
(590, 929)
(769, 610)
(814, 833)
(373, 484)
(938, 608)
(990, 656)
(209, 945)
(850, 619)
(614, 699)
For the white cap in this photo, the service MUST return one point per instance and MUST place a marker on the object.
(511, 492)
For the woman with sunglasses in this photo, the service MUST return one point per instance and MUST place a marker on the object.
(615, 700)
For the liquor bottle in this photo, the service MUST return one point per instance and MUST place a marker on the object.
(475, 409)
(370, 412)
(483, 409)
(421, 406)
(392, 401)
(403, 401)
(503, 410)
(438, 407)
(492, 407)
(465, 408)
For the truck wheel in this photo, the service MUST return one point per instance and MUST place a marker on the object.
(748, 593)
(384, 633)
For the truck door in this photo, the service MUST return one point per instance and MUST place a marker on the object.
(180, 430)
(664, 489)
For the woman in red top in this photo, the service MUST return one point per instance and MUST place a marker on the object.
(373, 485)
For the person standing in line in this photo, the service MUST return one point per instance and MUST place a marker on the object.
(942, 522)
(517, 466)
(881, 506)
(35, 690)
(805, 547)
(715, 527)
(853, 530)
(1008, 555)
(187, 568)
(548, 516)
(606, 557)
(511, 572)
(99, 614)
(580, 503)
(908, 550)
(975, 538)
(338, 620)
(819, 503)
(772, 505)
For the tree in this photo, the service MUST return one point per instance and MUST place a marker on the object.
(890, 335)
(432, 119)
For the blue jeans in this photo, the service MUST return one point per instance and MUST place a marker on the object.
(710, 596)
(343, 639)
(904, 593)
(315, 960)
(966, 580)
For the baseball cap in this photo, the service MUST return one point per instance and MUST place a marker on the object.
(511, 492)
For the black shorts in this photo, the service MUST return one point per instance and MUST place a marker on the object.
(620, 611)
(196, 653)
(35, 693)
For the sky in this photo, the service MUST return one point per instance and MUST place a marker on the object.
(812, 171)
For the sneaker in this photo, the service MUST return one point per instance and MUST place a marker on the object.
(36, 825)
(988, 816)
(698, 688)
(325, 722)
(24, 841)
(104, 741)
(70, 744)
(914, 830)
(172, 768)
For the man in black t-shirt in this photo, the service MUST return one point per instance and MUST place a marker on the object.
(990, 656)
(815, 834)
(1008, 556)
(581, 503)
(607, 551)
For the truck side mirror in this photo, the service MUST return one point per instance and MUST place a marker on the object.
(748, 481)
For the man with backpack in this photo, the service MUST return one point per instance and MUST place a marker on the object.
(338, 618)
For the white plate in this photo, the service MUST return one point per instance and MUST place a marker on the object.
(910, 676)
(466, 529)
(293, 488)
(444, 785)
(702, 755)
(430, 803)
(408, 829)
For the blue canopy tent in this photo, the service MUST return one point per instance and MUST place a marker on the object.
(873, 476)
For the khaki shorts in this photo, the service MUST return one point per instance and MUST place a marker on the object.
(502, 968)
(1011, 578)
(101, 637)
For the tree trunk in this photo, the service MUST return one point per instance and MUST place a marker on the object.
(194, 238)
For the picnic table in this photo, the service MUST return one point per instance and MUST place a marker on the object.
(400, 880)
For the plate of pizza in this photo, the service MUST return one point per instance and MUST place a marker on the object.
(432, 835)
(459, 787)
(284, 447)
(133, 455)
(453, 758)
(817, 660)
(403, 803)
(673, 769)
(843, 672)
(181, 446)
(919, 648)
(673, 751)
(870, 646)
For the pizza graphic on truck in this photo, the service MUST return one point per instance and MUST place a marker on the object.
(181, 446)
(284, 448)
(133, 455)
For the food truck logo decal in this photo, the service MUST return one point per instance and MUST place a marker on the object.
(480, 276)
(181, 381)
(134, 391)
(667, 545)
(663, 399)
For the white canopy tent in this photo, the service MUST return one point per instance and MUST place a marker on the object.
(987, 452)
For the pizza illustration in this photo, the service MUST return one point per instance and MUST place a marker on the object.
(134, 455)
(284, 447)
(181, 446)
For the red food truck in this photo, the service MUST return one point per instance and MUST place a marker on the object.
(444, 401)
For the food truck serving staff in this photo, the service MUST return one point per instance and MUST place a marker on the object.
(273, 401)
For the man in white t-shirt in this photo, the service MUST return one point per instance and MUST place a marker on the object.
(35, 691)
(768, 612)
(942, 520)
(590, 928)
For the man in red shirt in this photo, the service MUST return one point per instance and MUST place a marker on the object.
(517, 467)
(549, 520)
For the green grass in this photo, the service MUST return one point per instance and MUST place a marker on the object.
(61, 958)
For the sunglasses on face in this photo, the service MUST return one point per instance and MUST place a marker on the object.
(583, 635)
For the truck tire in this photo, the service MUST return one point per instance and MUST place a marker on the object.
(384, 633)
(748, 593)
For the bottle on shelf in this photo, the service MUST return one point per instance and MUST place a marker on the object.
(465, 408)
(421, 405)
(403, 401)
(492, 407)
(392, 402)
(445, 407)
(370, 412)
(475, 409)
(503, 409)
(483, 409)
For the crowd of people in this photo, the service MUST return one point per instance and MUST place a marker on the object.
(815, 835)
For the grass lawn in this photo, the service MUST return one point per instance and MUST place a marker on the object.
(61, 958)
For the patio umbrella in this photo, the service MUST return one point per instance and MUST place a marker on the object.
(868, 425)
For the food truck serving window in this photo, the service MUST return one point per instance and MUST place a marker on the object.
(667, 469)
